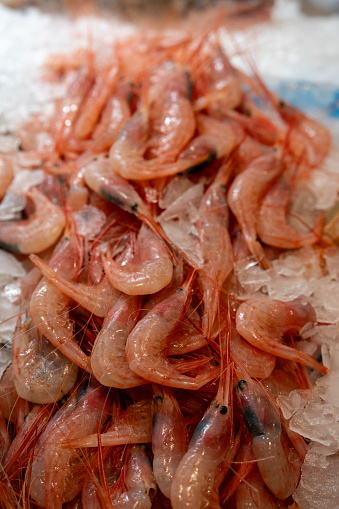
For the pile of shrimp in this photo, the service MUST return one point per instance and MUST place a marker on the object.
(139, 377)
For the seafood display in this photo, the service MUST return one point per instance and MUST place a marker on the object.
(147, 371)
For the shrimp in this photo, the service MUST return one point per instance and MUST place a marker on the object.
(149, 270)
(272, 226)
(108, 359)
(5, 441)
(37, 233)
(57, 474)
(146, 345)
(187, 338)
(252, 494)
(41, 374)
(6, 175)
(169, 438)
(133, 426)
(280, 469)
(201, 470)
(244, 197)
(48, 306)
(96, 299)
(262, 322)
(8, 395)
(126, 156)
(216, 245)
(138, 480)
(93, 103)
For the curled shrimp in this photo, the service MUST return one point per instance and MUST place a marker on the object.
(41, 374)
(49, 307)
(57, 474)
(133, 426)
(108, 359)
(169, 438)
(263, 322)
(96, 299)
(272, 224)
(149, 270)
(197, 479)
(244, 197)
(6, 175)
(146, 345)
(280, 474)
(40, 231)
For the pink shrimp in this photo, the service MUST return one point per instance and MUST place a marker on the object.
(279, 469)
(48, 306)
(96, 299)
(8, 395)
(197, 479)
(252, 494)
(41, 374)
(225, 133)
(244, 197)
(169, 438)
(133, 426)
(108, 359)
(5, 441)
(149, 270)
(262, 322)
(188, 337)
(35, 234)
(57, 474)
(216, 245)
(272, 224)
(93, 103)
(6, 175)
(146, 345)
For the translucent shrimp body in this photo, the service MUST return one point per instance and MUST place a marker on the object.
(108, 359)
(37, 233)
(201, 470)
(280, 474)
(149, 271)
(244, 196)
(41, 374)
(252, 494)
(146, 345)
(6, 175)
(263, 322)
(49, 307)
(96, 299)
(169, 438)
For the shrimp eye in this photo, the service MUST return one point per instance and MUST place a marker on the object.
(134, 207)
(242, 385)
(281, 103)
(217, 405)
(223, 410)
(159, 400)
(180, 290)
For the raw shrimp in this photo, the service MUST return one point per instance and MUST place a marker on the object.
(8, 395)
(115, 116)
(169, 438)
(126, 155)
(252, 494)
(272, 224)
(49, 307)
(197, 479)
(5, 441)
(227, 134)
(96, 299)
(57, 473)
(41, 374)
(187, 338)
(244, 197)
(95, 100)
(138, 479)
(148, 271)
(6, 175)
(37, 233)
(263, 322)
(216, 245)
(279, 468)
(108, 359)
(133, 426)
(147, 343)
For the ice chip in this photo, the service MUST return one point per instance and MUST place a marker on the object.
(11, 206)
(24, 180)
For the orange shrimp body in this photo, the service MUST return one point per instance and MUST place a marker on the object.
(244, 196)
(37, 233)
(201, 470)
(263, 322)
(6, 175)
(149, 271)
(280, 475)
(169, 438)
